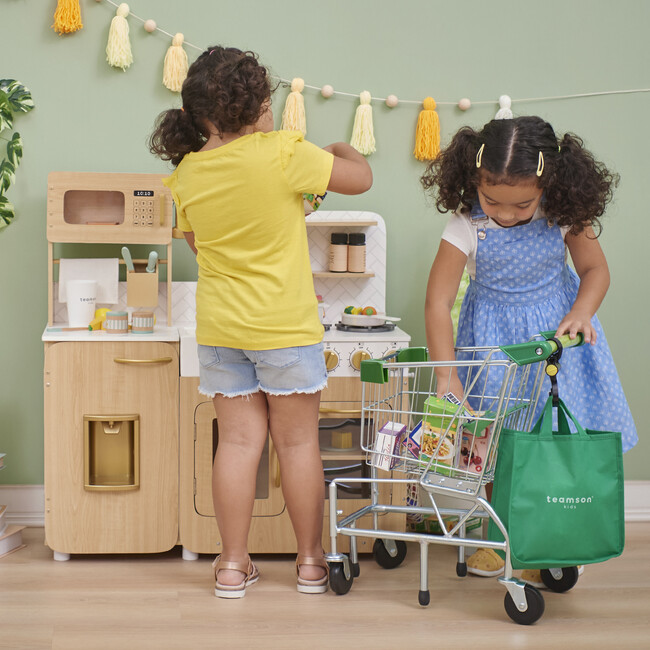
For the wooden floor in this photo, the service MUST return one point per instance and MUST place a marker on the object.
(163, 602)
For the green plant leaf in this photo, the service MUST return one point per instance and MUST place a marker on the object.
(15, 149)
(7, 213)
(7, 175)
(6, 115)
(20, 98)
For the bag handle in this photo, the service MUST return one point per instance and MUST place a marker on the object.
(544, 425)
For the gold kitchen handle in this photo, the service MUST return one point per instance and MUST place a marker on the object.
(137, 361)
(277, 477)
(341, 411)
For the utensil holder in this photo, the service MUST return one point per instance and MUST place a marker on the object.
(141, 287)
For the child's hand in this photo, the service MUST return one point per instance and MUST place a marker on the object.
(575, 322)
(449, 385)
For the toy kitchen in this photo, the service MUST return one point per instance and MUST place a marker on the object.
(129, 441)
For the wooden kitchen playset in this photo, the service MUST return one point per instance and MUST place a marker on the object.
(129, 441)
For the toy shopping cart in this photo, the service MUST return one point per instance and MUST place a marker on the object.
(446, 446)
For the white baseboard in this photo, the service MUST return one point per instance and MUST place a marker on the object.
(25, 503)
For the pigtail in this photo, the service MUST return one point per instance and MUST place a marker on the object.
(453, 173)
(175, 135)
(578, 188)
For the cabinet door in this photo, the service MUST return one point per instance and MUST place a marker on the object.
(109, 381)
(268, 492)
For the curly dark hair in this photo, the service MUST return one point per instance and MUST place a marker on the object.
(225, 88)
(577, 187)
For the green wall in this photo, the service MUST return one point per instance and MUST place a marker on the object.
(90, 117)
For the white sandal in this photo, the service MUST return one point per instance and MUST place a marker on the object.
(312, 586)
(251, 575)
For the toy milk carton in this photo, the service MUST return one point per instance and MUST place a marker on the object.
(387, 444)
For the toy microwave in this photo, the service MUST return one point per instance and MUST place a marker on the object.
(108, 208)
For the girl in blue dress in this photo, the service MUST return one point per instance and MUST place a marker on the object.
(521, 197)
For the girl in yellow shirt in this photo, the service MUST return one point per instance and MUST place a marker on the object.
(238, 187)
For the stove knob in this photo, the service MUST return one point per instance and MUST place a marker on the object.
(331, 360)
(357, 357)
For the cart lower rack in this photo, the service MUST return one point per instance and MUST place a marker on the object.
(444, 445)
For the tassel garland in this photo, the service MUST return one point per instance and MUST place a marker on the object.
(118, 50)
(504, 112)
(293, 116)
(67, 17)
(363, 137)
(175, 65)
(427, 133)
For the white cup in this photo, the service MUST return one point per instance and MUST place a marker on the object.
(81, 298)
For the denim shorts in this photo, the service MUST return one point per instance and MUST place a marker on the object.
(232, 372)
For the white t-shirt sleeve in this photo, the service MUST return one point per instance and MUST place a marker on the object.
(460, 233)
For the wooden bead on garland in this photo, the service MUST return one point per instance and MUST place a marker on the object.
(327, 91)
(118, 49)
(464, 104)
(293, 116)
(392, 101)
(427, 133)
(504, 112)
(150, 26)
(175, 65)
(363, 137)
(67, 17)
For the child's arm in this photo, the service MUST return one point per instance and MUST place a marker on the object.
(591, 267)
(442, 289)
(189, 238)
(351, 173)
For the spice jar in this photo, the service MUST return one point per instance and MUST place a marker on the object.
(338, 262)
(357, 252)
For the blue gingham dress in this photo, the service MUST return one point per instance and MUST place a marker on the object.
(523, 286)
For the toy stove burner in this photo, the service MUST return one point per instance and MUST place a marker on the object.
(386, 327)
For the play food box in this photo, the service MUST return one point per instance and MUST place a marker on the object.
(387, 444)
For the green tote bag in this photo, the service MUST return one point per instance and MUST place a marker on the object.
(559, 494)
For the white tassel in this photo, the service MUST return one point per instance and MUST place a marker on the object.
(118, 50)
(363, 137)
(175, 65)
(293, 116)
(504, 112)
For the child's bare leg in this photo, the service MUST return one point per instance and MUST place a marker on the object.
(243, 427)
(294, 430)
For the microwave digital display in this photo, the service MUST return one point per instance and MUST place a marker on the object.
(142, 192)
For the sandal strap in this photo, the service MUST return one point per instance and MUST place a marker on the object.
(312, 561)
(243, 567)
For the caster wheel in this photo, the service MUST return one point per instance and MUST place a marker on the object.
(356, 569)
(532, 613)
(338, 582)
(461, 569)
(384, 559)
(560, 580)
(423, 598)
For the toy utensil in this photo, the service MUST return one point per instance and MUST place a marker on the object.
(151, 264)
(126, 254)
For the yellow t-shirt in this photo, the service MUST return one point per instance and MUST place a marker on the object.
(243, 201)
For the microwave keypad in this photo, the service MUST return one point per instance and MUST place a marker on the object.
(143, 212)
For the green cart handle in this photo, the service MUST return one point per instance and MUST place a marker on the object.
(375, 371)
(534, 351)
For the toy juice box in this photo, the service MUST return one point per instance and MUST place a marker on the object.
(312, 202)
(473, 450)
(387, 444)
(444, 412)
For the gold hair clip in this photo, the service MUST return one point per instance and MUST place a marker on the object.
(479, 156)
(540, 164)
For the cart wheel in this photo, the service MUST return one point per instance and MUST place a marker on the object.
(532, 613)
(461, 569)
(355, 568)
(338, 582)
(384, 558)
(423, 598)
(560, 580)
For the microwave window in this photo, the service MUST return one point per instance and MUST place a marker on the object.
(93, 207)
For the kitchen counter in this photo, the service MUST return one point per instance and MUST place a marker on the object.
(160, 333)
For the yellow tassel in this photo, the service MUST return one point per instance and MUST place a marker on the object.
(67, 17)
(427, 134)
(363, 137)
(118, 50)
(293, 116)
(175, 65)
